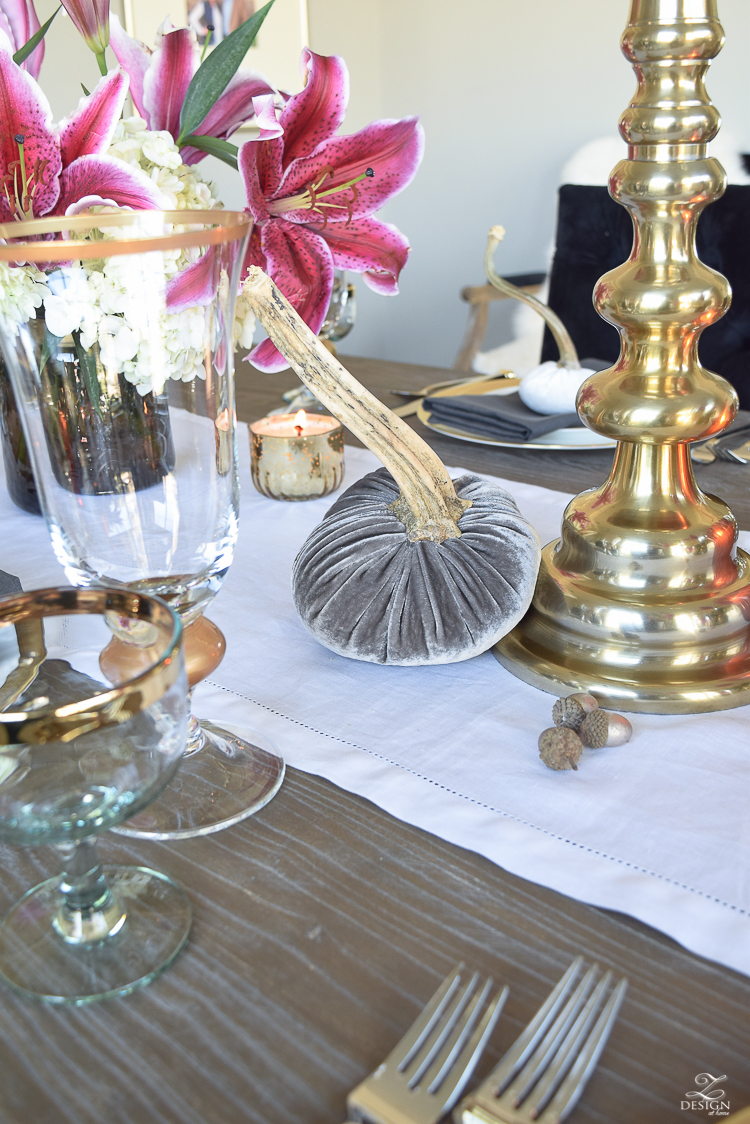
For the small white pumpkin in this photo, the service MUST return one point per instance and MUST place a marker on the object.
(552, 389)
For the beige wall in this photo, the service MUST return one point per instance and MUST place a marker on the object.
(506, 89)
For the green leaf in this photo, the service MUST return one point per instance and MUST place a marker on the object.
(87, 363)
(214, 74)
(214, 146)
(31, 44)
(86, 92)
(50, 346)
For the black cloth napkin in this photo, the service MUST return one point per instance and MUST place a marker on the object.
(503, 417)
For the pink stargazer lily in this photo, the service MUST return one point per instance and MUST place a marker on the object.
(159, 80)
(47, 170)
(18, 19)
(312, 195)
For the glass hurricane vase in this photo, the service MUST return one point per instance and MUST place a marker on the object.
(79, 753)
(125, 384)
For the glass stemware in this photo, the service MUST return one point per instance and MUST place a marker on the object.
(125, 384)
(79, 755)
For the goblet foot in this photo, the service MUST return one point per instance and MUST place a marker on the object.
(228, 779)
(41, 963)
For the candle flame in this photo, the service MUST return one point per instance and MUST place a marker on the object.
(300, 421)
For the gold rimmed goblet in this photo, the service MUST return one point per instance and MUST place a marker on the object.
(125, 384)
(79, 755)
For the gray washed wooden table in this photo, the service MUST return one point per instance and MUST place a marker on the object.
(323, 924)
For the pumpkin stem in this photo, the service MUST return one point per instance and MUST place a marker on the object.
(427, 505)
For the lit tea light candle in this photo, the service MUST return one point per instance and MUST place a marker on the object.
(297, 456)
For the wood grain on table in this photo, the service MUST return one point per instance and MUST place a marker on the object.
(323, 924)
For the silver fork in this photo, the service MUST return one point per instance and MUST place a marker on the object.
(423, 1077)
(546, 1069)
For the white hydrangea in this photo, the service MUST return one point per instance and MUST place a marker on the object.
(244, 323)
(22, 290)
(156, 154)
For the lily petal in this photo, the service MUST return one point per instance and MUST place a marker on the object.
(314, 115)
(266, 118)
(20, 22)
(108, 177)
(392, 149)
(25, 111)
(173, 64)
(134, 57)
(233, 108)
(260, 164)
(197, 284)
(373, 248)
(90, 129)
(301, 264)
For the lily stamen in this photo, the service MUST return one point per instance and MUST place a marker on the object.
(23, 199)
(308, 199)
(210, 30)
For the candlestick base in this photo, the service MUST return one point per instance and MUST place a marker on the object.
(643, 602)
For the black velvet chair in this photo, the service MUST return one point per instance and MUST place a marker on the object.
(595, 234)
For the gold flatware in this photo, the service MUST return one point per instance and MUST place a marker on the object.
(464, 386)
(423, 1077)
(433, 386)
(546, 1070)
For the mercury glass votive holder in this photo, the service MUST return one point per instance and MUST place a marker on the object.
(297, 456)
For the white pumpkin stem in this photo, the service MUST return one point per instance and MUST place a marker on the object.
(428, 505)
(565, 345)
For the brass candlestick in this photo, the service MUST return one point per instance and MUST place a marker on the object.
(643, 600)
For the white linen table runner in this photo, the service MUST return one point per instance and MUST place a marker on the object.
(658, 828)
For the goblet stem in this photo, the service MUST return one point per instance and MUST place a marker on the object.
(196, 736)
(90, 912)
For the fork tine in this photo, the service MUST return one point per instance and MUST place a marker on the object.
(550, 1044)
(526, 1042)
(448, 1026)
(567, 1050)
(461, 1037)
(422, 1027)
(571, 1089)
(469, 1053)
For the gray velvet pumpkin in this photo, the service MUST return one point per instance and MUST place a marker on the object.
(366, 591)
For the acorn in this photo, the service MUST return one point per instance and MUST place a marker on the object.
(560, 748)
(601, 728)
(571, 711)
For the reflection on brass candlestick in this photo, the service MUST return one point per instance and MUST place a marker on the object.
(643, 600)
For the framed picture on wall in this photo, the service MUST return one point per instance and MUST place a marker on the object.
(275, 52)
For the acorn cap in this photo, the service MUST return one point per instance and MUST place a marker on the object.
(601, 728)
(560, 748)
(571, 711)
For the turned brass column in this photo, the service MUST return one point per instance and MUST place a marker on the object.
(644, 600)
